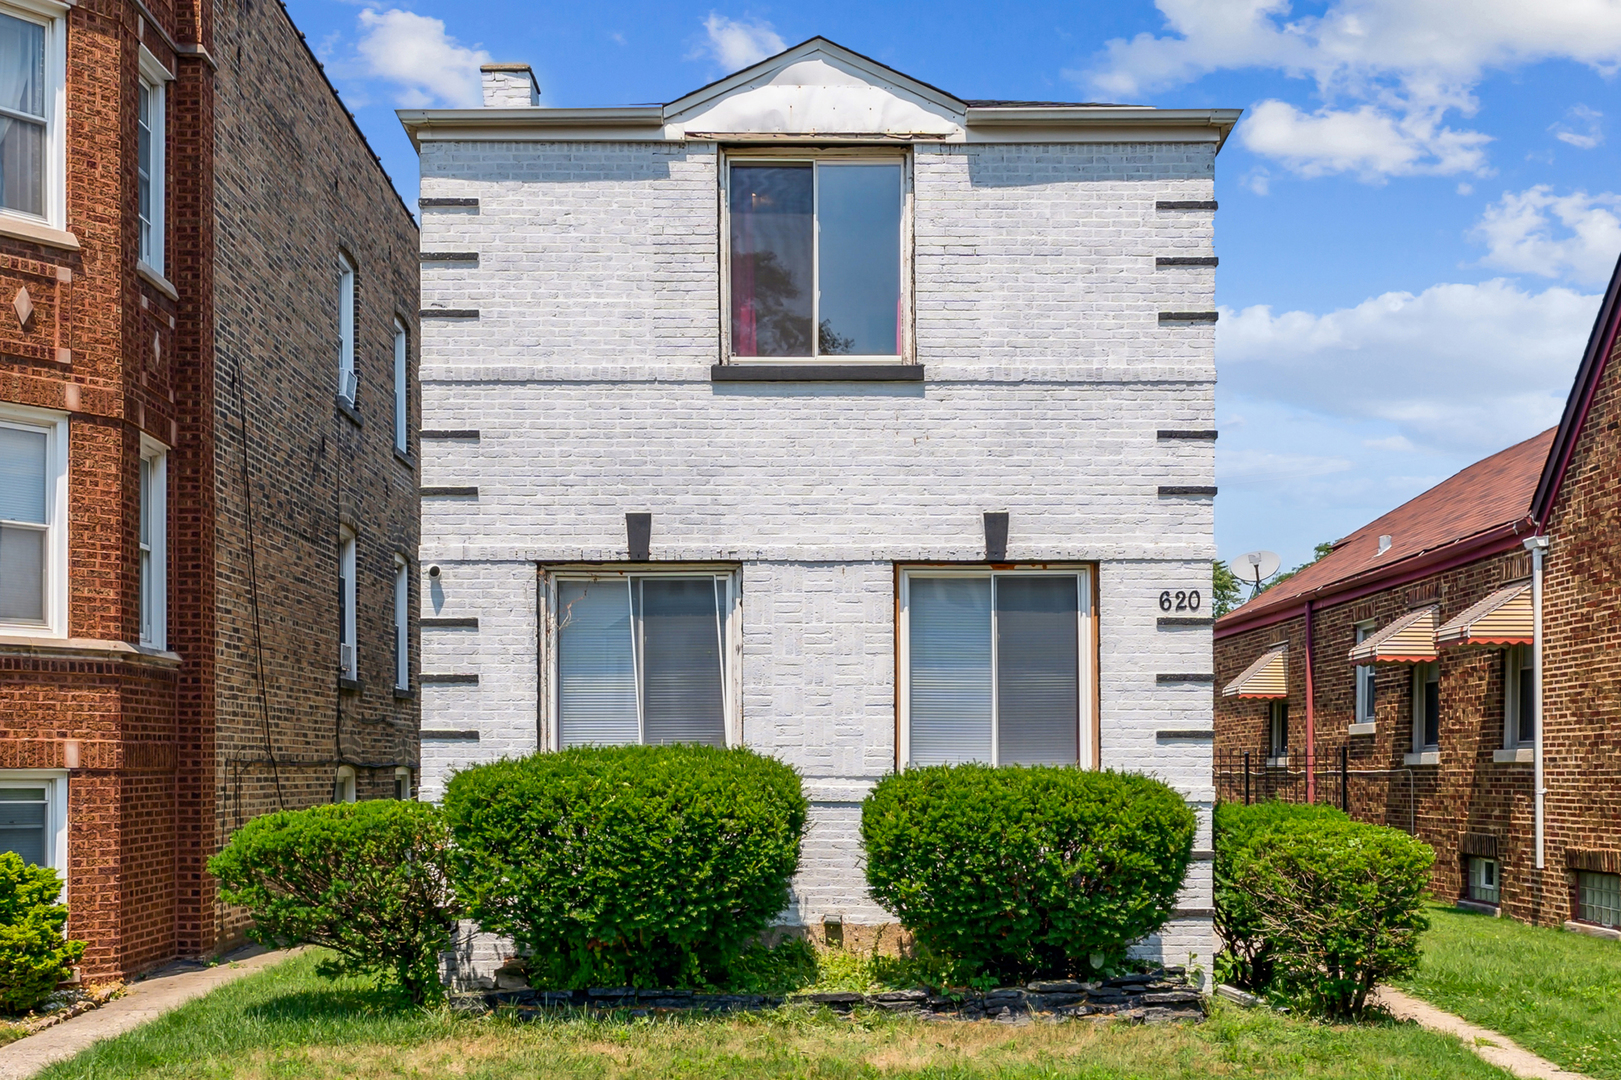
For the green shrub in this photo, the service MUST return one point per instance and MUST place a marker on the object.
(1246, 959)
(1019, 872)
(366, 880)
(34, 956)
(1333, 907)
(649, 866)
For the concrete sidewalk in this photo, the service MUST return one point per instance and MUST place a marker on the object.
(1496, 1049)
(145, 1000)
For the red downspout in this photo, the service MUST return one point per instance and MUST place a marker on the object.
(1311, 717)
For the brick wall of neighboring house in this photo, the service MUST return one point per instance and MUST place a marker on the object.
(296, 184)
(1582, 660)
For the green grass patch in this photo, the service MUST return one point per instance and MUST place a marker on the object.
(288, 1023)
(1555, 993)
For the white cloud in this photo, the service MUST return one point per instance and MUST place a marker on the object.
(1249, 468)
(415, 54)
(1519, 233)
(1401, 65)
(1592, 133)
(735, 44)
(1456, 368)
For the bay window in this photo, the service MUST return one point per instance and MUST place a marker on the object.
(32, 62)
(996, 667)
(644, 658)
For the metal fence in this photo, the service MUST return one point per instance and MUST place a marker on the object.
(1383, 796)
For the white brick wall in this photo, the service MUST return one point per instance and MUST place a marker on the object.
(586, 374)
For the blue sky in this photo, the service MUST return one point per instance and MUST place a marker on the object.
(1418, 211)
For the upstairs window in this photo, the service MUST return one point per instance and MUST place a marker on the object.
(815, 266)
(348, 661)
(346, 329)
(33, 530)
(1519, 697)
(402, 389)
(153, 548)
(31, 63)
(150, 117)
(402, 624)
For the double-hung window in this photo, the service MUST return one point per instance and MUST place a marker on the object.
(1426, 707)
(402, 624)
(153, 546)
(348, 660)
(347, 381)
(1278, 730)
(402, 389)
(996, 667)
(151, 126)
(644, 658)
(33, 522)
(1519, 697)
(816, 259)
(1365, 681)
(32, 65)
(33, 816)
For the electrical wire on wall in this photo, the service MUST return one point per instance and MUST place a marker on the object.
(253, 589)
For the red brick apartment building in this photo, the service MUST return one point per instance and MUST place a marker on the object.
(208, 449)
(1400, 672)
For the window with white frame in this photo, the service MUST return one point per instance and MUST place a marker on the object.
(348, 660)
(644, 658)
(343, 789)
(816, 256)
(347, 381)
(1598, 898)
(402, 389)
(1278, 730)
(1519, 697)
(1366, 680)
(402, 783)
(33, 522)
(33, 816)
(1426, 707)
(151, 119)
(996, 667)
(153, 545)
(1484, 884)
(32, 67)
(402, 624)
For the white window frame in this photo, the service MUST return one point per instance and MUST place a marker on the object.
(402, 387)
(56, 811)
(1420, 678)
(402, 623)
(1474, 863)
(155, 78)
(154, 606)
(402, 783)
(1515, 663)
(1086, 647)
(802, 156)
(55, 427)
(1276, 754)
(53, 16)
(348, 381)
(732, 646)
(348, 663)
(1366, 676)
(343, 785)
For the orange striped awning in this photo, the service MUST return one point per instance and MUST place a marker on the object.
(1266, 678)
(1503, 618)
(1408, 640)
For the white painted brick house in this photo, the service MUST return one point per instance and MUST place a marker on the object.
(915, 394)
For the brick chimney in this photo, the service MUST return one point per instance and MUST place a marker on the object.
(509, 86)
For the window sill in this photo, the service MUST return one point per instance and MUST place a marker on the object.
(1593, 930)
(1364, 728)
(347, 408)
(1428, 757)
(1279, 762)
(405, 459)
(1522, 754)
(806, 372)
(1480, 907)
(350, 686)
(402, 693)
(155, 278)
(15, 644)
(38, 232)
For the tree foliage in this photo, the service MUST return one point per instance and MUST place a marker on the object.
(34, 955)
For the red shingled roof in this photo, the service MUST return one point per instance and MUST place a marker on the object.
(1488, 496)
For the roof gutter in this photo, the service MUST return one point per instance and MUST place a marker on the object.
(423, 121)
(1049, 116)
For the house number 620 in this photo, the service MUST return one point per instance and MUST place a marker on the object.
(1179, 600)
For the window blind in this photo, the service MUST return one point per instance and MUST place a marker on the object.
(1038, 678)
(681, 661)
(596, 664)
(22, 823)
(950, 669)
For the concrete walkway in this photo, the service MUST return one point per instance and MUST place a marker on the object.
(144, 1001)
(1496, 1049)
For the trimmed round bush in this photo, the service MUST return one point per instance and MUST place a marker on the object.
(1020, 872)
(366, 880)
(1327, 908)
(34, 956)
(644, 866)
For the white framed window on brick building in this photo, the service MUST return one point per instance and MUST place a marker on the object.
(153, 545)
(644, 657)
(34, 816)
(997, 666)
(33, 522)
(348, 381)
(1485, 880)
(1366, 684)
(1598, 898)
(33, 112)
(402, 624)
(402, 388)
(348, 650)
(1277, 724)
(818, 256)
(402, 782)
(1426, 708)
(151, 167)
(343, 788)
(1519, 697)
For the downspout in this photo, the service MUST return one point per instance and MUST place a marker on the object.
(1537, 546)
(1311, 719)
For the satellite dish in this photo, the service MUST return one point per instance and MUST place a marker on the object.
(1256, 566)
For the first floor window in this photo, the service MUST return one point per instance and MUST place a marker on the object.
(402, 783)
(402, 624)
(1278, 729)
(1365, 681)
(1598, 898)
(152, 537)
(348, 661)
(1485, 885)
(33, 817)
(1427, 706)
(344, 789)
(27, 99)
(995, 666)
(32, 530)
(643, 658)
(1519, 696)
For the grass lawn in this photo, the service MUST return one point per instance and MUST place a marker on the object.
(1555, 993)
(288, 1023)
